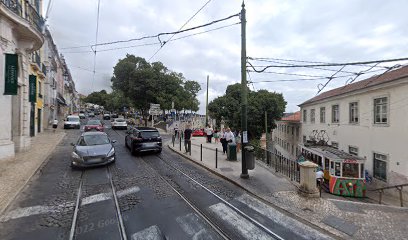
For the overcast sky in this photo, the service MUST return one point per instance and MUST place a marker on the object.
(305, 30)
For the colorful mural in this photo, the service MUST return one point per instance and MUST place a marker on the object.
(347, 187)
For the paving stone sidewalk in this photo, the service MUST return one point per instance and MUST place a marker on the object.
(16, 172)
(339, 216)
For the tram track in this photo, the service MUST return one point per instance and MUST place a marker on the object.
(206, 217)
(81, 201)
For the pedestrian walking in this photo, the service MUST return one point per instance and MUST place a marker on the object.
(55, 124)
(216, 136)
(187, 139)
(223, 141)
(238, 141)
(209, 132)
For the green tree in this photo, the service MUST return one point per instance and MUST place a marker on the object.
(144, 83)
(98, 98)
(228, 107)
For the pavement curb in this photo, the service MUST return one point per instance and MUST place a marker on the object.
(282, 210)
(40, 166)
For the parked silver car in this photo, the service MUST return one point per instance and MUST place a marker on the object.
(93, 149)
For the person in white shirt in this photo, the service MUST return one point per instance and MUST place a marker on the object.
(55, 124)
(229, 136)
(319, 176)
(209, 133)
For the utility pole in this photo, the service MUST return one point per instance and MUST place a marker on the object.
(244, 93)
(206, 103)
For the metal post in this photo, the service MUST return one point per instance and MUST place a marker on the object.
(216, 157)
(381, 192)
(244, 92)
(180, 143)
(189, 146)
(206, 104)
(400, 194)
(201, 152)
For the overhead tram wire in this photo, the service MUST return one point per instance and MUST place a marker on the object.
(152, 44)
(199, 10)
(96, 42)
(328, 64)
(156, 35)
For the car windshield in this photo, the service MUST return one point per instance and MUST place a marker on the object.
(119, 120)
(150, 134)
(94, 122)
(72, 119)
(90, 140)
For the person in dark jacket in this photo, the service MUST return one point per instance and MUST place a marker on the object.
(187, 138)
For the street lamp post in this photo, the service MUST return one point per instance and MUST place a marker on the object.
(244, 93)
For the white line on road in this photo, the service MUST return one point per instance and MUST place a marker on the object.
(244, 227)
(150, 233)
(278, 217)
(36, 210)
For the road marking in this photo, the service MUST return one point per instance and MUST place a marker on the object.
(36, 210)
(193, 226)
(150, 233)
(278, 217)
(243, 226)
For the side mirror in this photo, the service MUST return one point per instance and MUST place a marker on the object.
(114, 141)
(72, 144)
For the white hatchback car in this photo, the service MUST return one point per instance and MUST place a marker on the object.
(72, 121)
(119, 123)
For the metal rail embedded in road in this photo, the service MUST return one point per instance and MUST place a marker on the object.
(78, 201)
(207, 219)
(118, 213)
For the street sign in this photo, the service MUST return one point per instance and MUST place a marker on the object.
(154, 109)
(245, 137)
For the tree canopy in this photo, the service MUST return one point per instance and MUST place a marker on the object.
(144, 83)
(228, 108)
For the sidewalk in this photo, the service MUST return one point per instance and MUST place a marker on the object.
(346, 219)
(16, 172)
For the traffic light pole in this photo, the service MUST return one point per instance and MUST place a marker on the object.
(244, 93)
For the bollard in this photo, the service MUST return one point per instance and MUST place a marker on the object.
(189, 147)
(173, 139)
(201, 152)
(216, 157)
(180, 144)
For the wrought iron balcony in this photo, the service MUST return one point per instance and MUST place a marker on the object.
(31, 14)
(35, 58)
(13, 5)
(33, 17)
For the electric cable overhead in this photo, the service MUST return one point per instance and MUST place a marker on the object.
(96, 42)
(156, 43)
(199, 10)
(326, 64)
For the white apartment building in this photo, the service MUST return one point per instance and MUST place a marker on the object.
(368, 119)
(286, 136)
(20, 31)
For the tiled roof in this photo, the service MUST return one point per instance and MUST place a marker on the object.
(295, 117)
(372, 81)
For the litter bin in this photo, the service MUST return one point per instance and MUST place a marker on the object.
(232, 152)
(249, 157)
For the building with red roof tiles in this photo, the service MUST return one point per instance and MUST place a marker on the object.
(368, 119)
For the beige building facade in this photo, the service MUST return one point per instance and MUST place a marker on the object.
(368, 119)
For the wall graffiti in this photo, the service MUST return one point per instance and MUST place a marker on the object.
(347, 187)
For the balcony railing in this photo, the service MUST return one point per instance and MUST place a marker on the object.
(33, 17)
(31, 14)
(35, 58)
(13, 5)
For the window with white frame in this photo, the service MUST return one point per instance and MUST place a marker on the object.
(335, 114)
(312, 115)
(353, 109)
(380, 166)
(381, 110)
(353, 150)
(304, 115)
(335, 144)
(322, 115)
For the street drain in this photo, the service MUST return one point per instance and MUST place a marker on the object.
(307, 210)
